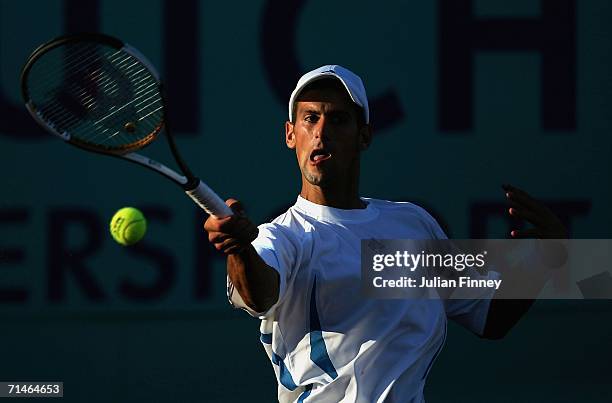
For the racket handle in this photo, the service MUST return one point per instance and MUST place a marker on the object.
(207, 199)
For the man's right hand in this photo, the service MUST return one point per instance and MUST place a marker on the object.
(257, 283)
(231, 235)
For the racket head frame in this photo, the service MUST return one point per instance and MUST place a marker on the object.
(205, 197)
(100, 39)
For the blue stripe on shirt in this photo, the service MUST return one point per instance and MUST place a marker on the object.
(285, 377)
(318, 349)
(266, 338)
(305, 394)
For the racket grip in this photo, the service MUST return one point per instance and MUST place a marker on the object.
(208, 200)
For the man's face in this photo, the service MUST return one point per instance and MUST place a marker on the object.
(327, 135)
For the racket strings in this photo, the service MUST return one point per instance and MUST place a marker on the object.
(103, 97)
(85, 98)
(80, 93)
(100, 122)
(57, 68)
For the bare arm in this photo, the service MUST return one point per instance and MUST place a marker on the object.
(505, 313)
(257, 283)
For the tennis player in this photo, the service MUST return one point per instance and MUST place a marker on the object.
(300, 274)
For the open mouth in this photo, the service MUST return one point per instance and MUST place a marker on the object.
(319, 155)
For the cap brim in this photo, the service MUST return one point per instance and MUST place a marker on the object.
(326, 74)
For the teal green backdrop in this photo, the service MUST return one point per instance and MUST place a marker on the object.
(466, 95)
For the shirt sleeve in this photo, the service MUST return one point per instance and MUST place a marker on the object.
(471, 310)
(432, 225)
(280, 249)
(471, 313)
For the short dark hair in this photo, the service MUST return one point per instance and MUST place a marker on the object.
(326, 83)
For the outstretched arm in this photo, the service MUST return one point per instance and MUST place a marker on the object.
(505, 313)
(256, 282)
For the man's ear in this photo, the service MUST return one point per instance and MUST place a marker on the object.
(365, 137)
(289, 135)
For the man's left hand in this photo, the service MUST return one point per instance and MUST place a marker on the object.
(546, 224)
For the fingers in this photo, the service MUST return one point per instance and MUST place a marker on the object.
(527, 215)
(226, 224)
(236, 206)
(522, 198)
(233, 227)
(231, 234)
(230, 246)
(241, 236)
(214, 224)
(245, 230)
(518, 196)
(527, 233)
(521, 208)
(217, 237)
(525, 207)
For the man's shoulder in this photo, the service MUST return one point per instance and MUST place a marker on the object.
(294, 219)
(288, 222)
(403, 206)
(409, 213)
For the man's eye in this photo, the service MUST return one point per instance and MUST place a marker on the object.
(338, 119)
(310, 118)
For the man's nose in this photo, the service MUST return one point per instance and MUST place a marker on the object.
(322, 129)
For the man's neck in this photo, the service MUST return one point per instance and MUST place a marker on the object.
(338, 198)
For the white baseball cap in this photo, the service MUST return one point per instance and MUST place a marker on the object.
(351, 81)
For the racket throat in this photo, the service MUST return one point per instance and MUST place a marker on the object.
(191, 184)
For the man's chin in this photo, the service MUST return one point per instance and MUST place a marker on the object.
(315, 180)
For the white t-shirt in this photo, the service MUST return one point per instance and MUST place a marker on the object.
(326, 341)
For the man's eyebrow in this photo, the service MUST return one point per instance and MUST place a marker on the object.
(340, 111)
(330, 111)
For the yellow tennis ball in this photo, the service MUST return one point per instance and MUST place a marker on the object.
(128, 226)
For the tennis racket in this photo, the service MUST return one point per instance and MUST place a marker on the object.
(97, 93)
